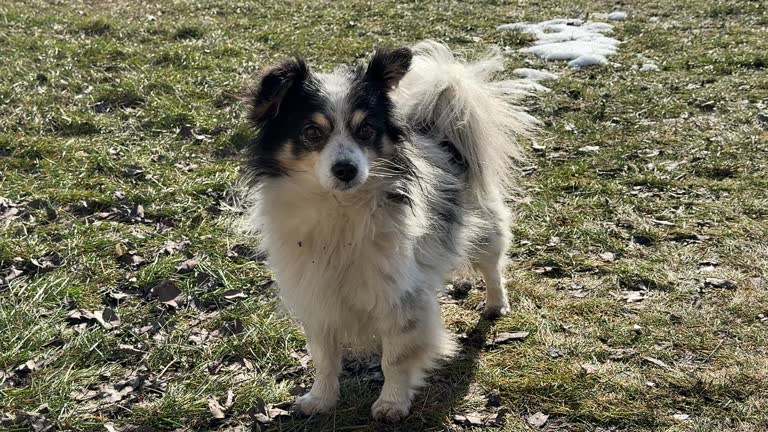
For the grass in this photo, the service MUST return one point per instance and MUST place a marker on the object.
(107, 107)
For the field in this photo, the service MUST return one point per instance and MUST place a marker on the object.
(129, 301)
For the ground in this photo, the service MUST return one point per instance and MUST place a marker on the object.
(639, 267)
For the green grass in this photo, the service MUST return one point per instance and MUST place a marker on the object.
(104, 107)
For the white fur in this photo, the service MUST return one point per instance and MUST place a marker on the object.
(357, 270)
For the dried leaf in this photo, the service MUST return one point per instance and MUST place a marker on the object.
(118, 391)
(493, 399)
(554, 352)
(607, 256)
(230, 401)
(206, 281)
(44, 263)
(503, 338)
(642, 240)
(537, 420)
(168, 293)
(172, 247)
(131, 258)
(588, 368)
(108, 318)
(216, 409)
(719, 283)
(228, 329)
(186, 266)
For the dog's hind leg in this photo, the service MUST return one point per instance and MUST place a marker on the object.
(326, 355)
(490, 259)
(415, 340)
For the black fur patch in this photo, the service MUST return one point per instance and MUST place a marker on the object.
(389, 66)
(370, 92)
(281, 105)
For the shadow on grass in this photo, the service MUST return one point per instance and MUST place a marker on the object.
(432, 409)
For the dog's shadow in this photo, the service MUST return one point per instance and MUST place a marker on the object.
(433, 408)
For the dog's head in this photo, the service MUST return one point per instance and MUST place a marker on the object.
(330, 128)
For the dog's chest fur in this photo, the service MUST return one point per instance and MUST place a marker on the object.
(337, 264)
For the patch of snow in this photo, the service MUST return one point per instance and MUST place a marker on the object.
(588, 60)
(526, 85)
(649, 67)
(617, 16)
(535, 74)
(569, 39)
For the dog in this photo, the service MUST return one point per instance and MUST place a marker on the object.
(369, 186)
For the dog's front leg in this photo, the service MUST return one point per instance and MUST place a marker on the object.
(403, 365)
(326, 355)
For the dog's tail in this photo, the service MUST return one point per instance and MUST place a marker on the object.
(460, 102)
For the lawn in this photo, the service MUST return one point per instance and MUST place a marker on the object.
(129, 301)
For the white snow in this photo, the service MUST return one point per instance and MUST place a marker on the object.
(569, 39)
(617, 16)
(588, 60)
(526, 85)
(589, 149)
(648, 65)
(535, 74)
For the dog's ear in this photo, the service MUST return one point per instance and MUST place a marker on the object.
(274, 82)
(389, 66)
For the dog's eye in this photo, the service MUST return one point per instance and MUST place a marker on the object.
(365, 132)
(313, 134)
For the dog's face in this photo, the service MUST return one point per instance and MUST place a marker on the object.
(330, 128)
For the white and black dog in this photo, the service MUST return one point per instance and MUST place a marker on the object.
(370, 185)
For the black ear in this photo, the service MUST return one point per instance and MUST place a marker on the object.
(274, 82)
(389, 66)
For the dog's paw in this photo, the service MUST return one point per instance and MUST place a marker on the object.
(310, 404)
(390, 411)
(492, 312)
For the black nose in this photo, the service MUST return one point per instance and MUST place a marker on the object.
(344, 171)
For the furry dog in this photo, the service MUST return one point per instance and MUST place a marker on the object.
(371, 184)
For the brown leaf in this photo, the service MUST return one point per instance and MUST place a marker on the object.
(172, 247)
(168, 293)
(608, 256)
(206, 281)
(108, 318)
(229, 329)
(230, 401)
(216, 409)
(118, 391)
(503, 338)
(719, 283)
(44, 263)
(131, 258)
(186, 266)
(493, 399)
(554, 352)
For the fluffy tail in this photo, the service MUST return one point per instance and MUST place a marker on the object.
(460, 102)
